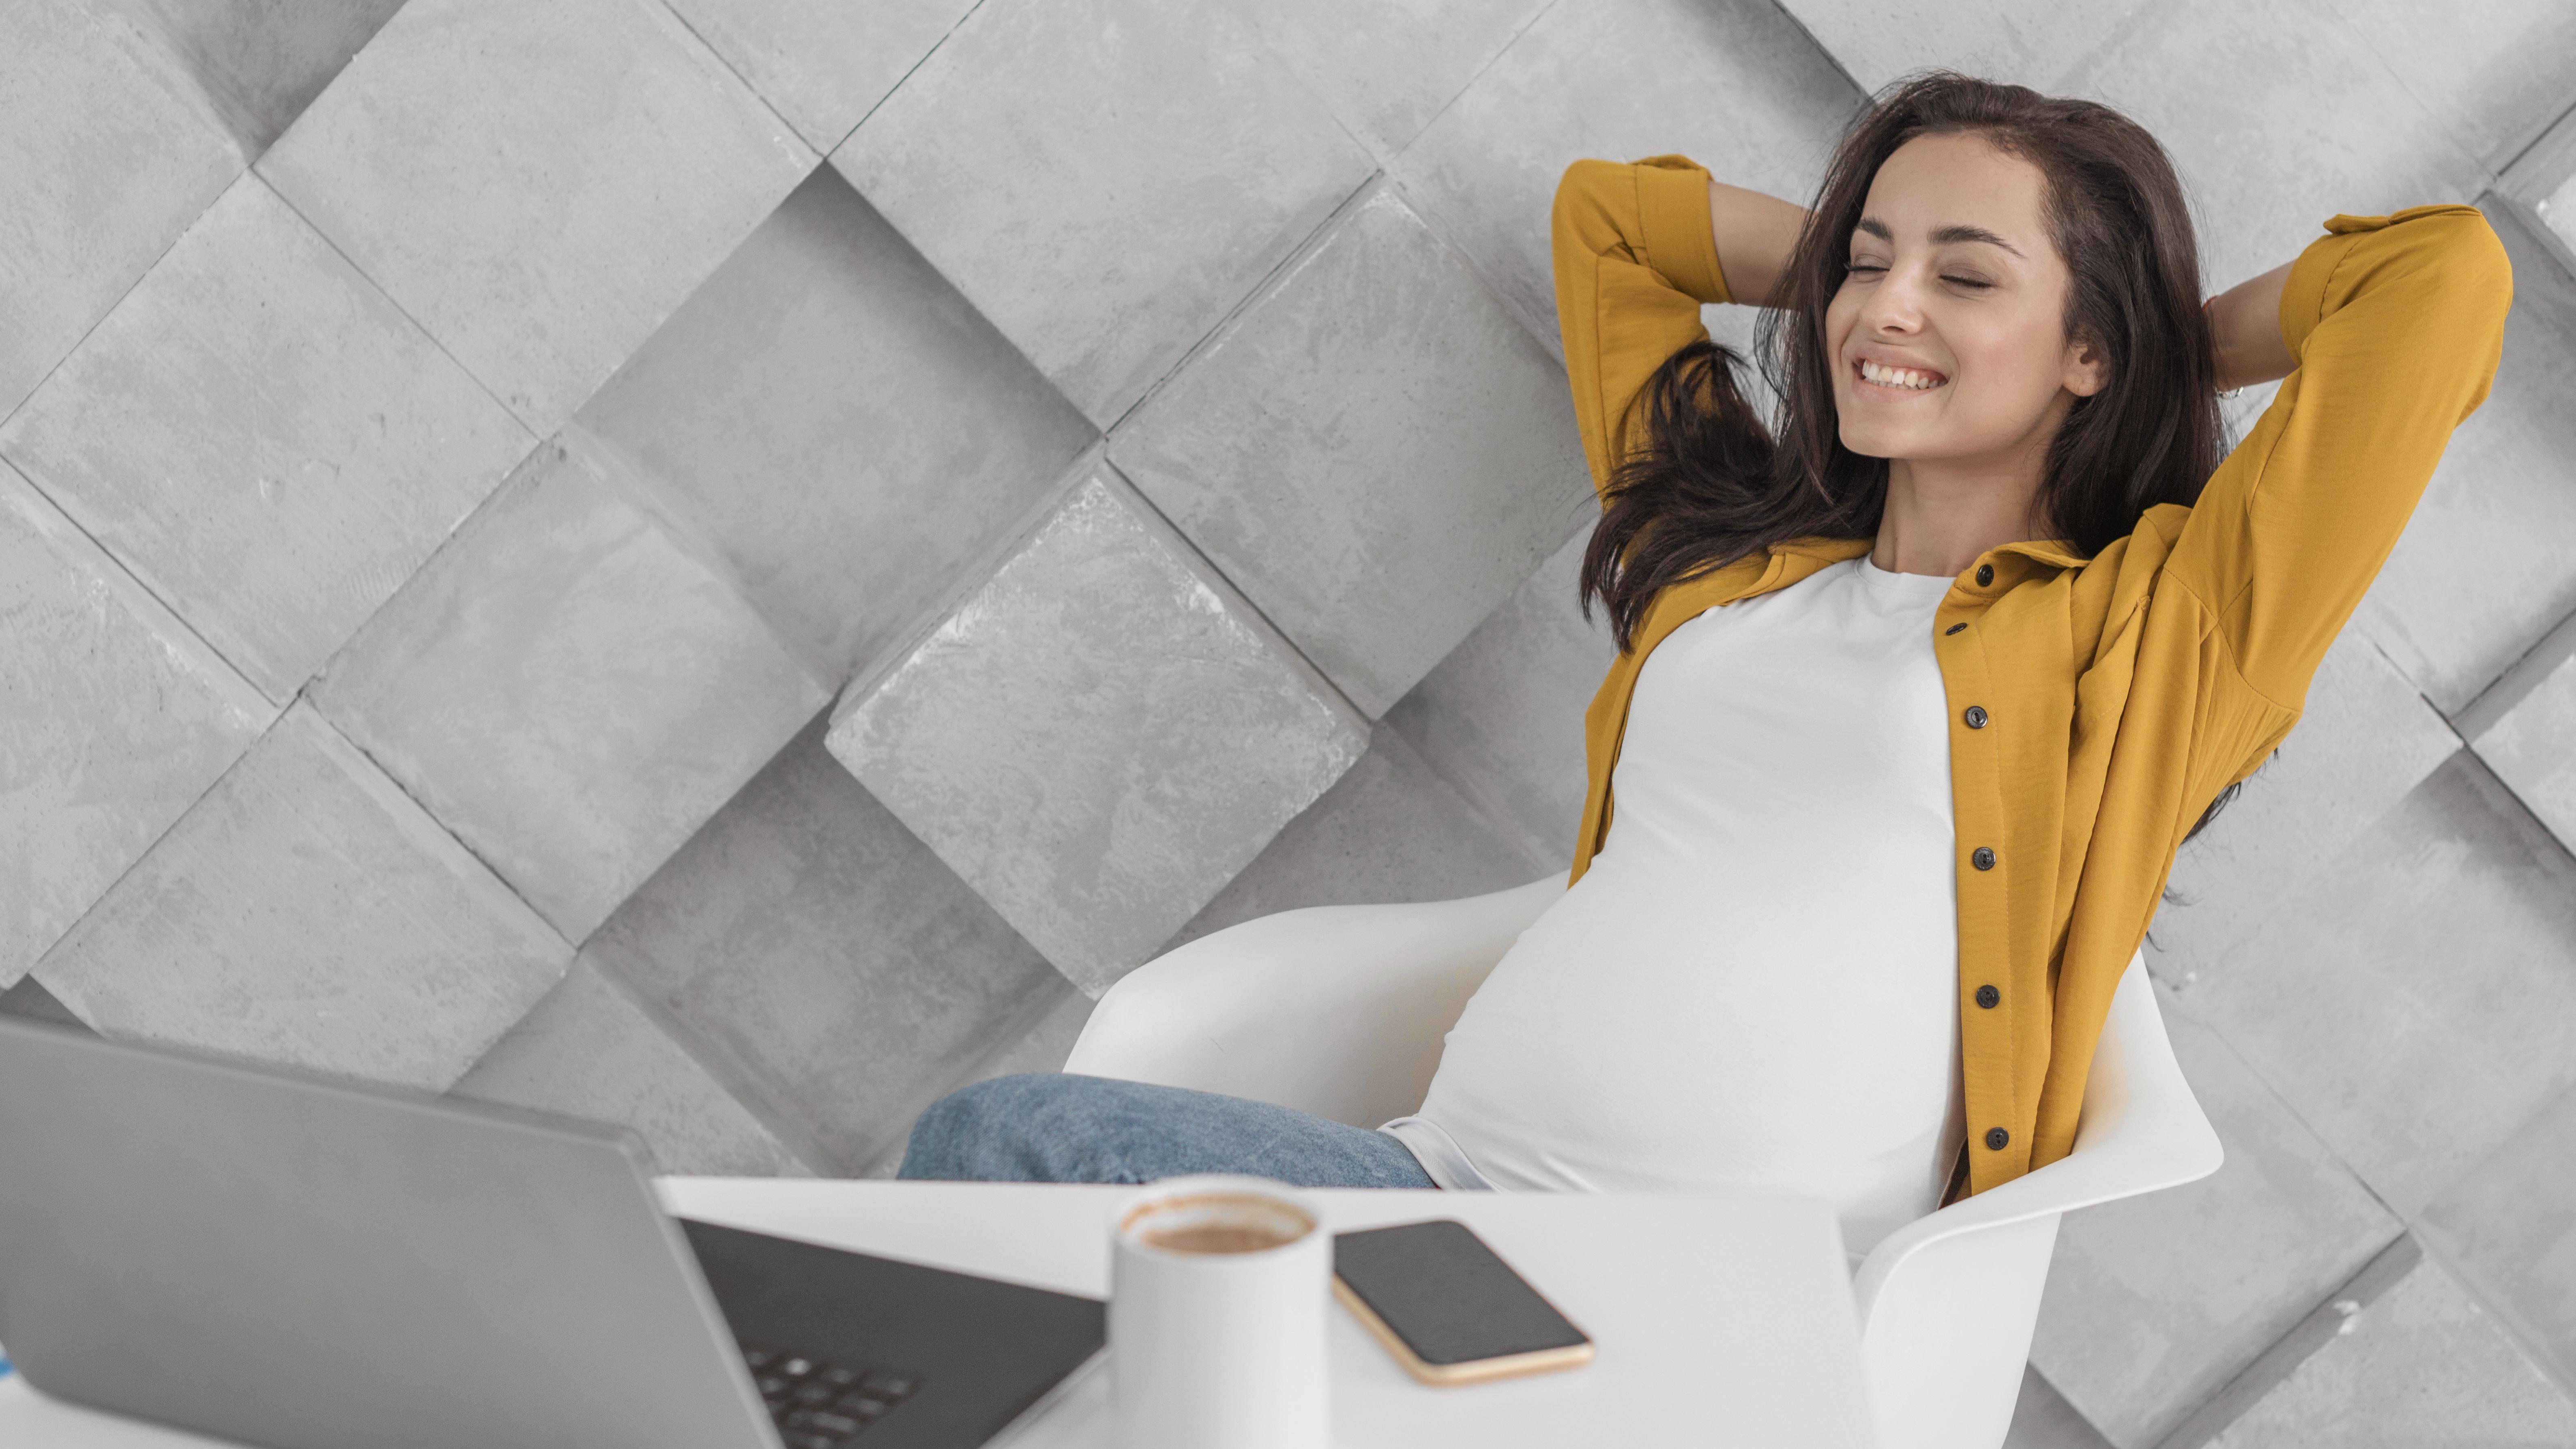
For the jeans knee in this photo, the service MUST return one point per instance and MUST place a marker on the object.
(966, 1134)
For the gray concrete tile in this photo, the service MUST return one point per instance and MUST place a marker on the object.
(2365, 740)
(2494, 84)
(257, 66)
(30, 1001)
(567, 689)
(2022, 42)
(1389, 831)
(2482, 571)
(275, 491)
(116, 720)
(307, 913)
(539, 185)
(2422, 1365)
(824, 961)
(1131, 181)
(104, 163)
(2205, 75)
(2042, 1419)
(590, 1050)
(1733, 84)
(1042, 1048)
(1099, 736)
(2156, 1302)
(1373, 451)
(2532, 748)
(822, 64)
(2506, 1229)
(838, 425)
(2415, 1000)
(1502, 717)
(1385, 68)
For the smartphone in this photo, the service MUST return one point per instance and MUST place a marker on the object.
(1448, 1309)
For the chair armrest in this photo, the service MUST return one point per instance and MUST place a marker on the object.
(1335, 1010)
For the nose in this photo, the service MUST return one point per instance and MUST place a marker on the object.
(1893, 308)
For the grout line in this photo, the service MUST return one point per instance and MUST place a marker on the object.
(2329, 1320)
(900, 82)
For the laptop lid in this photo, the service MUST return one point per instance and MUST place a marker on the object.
(317, 1266)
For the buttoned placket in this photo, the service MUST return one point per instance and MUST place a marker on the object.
(1978, 819)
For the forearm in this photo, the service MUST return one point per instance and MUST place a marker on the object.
(1755, 234)
(2245, 331)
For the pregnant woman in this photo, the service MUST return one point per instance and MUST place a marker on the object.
(1918, 690)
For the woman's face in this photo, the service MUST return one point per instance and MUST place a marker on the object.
(1949, 329)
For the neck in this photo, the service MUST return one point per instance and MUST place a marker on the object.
(1944, 512)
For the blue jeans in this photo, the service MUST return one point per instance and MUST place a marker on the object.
(1051, 1127)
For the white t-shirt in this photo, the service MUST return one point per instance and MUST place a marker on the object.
(1755, 985)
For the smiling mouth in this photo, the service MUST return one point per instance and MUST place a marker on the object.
(1900, 379)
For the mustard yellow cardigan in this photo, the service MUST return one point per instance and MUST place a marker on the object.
(2096, 704)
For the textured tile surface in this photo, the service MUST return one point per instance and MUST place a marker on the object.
(1373, 451)
(2483, 570)
(306, 912)
(568, 690)
(1104, 190)
(823, 64)
(113, 720)
(590, 1050)
(1386, 67)
(2042, 1419)
(2366, 739)
(104, 163)
(2155, 1302)
(838, 424)
(2509, 1229)
(2533, 749)
(2020, 42)
(264, 439)
(30, 1001)
(825, 960)
(2415, 1001)
(256, 66)
(1732, 84)
(1502, 716)
(2423, 1365)
(1098, 737)
(2494, 83)
(1391, 830)
(538, 184)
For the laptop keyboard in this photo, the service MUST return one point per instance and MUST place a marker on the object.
(818, 1404)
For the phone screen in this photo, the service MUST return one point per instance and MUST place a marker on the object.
(1447, 1307)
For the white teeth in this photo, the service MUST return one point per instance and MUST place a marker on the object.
(1905, 377)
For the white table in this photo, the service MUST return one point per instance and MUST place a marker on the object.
(1719, 1320)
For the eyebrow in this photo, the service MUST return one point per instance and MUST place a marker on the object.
(1879, 229)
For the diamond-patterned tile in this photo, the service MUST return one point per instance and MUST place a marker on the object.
(823, 64)
(1734, 84)
(2532, 748)
(1099, 736)
(118, 719)
(306, 912)
(1374, 451)
(591, 1050)
(568, 689)
(2506, 1228)
(1102, 178)
(825, 960)
(838, 424)
(104, 163)
(264, 439)
(2415, 1000)
(539, 185)
(256, 67)
(1386, 67)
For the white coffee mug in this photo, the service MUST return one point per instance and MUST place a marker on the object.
(1218, 1289)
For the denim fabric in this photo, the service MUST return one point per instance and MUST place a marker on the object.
(1053, 1127)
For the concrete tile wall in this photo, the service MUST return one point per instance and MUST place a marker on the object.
(274, 491)
(119, 719)
(568, 688)
(861, 428)
(1099, 736)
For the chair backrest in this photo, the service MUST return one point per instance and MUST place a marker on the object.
(1947, 1303)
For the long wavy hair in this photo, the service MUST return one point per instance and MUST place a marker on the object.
(1704, 480)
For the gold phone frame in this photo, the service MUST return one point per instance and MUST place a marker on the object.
(1474, 1371)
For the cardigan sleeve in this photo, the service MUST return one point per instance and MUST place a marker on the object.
(2397, 323)
(1634, 257)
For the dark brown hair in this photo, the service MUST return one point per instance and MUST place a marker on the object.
(1703, 481)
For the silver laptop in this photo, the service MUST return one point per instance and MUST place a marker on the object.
(311, 1265)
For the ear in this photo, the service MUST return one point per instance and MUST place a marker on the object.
(2087, 370)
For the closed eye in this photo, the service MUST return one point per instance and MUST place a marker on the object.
(1968, 282)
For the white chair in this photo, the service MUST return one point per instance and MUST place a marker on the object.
(1340, 1011)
